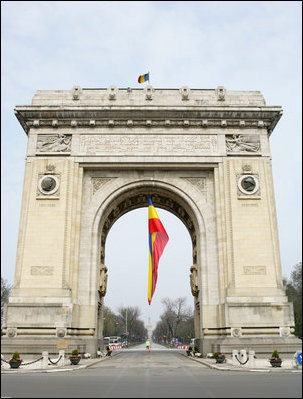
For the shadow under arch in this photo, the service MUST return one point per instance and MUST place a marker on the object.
(135, 195)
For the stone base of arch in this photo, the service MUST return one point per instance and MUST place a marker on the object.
(263, 345)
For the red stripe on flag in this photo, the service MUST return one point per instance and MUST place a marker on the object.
(155, 225)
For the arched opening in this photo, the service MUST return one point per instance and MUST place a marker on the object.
(127, 264)
(165, 198)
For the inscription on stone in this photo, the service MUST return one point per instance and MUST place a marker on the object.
(254, 270)
(42, 270)
(147, 144)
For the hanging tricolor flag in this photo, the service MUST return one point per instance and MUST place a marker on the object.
(143, 78)
(157, 240)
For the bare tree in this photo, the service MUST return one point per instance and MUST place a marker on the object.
(5, 293)
(175, 312)
(294, 292)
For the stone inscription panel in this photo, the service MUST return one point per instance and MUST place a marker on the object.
(134, 144)
(42, 270)
(254, 270)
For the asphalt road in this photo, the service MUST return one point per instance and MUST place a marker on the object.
(160, 374)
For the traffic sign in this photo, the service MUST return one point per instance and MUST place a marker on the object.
(299, 358)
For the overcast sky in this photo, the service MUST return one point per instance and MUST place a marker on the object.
(240, 45)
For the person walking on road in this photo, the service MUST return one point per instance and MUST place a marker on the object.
(147, 344)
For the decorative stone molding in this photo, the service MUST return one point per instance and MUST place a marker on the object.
(285, 331)
(198, 182)
(54, 143)
(148, 92)
(236, 332)
(184, 91)
(11, 332)
(112, 92)
(221, 92)
(61, 332)
(247, 168)
(98, 182)
(73, 123)
(76, 92)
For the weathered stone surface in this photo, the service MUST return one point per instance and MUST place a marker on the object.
(93, 155)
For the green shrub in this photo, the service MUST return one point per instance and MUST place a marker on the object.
(16, 355)
(215, 354)
(275, 354)
(75, 352)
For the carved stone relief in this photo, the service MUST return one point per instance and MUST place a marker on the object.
(98, 182)
(54, 142)
(236, 332)
(103, 280)
(194, 285)
(242, 143)
(199, 183)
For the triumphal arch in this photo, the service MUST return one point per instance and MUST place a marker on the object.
(95, 154)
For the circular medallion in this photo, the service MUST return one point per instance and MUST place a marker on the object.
(248, 184)
(48, 184)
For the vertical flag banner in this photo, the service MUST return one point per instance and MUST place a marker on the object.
(143, 78)
(158, 239)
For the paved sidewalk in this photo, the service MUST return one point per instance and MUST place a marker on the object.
(84, 363)
(261, 365)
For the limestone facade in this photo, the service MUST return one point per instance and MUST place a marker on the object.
(95, 154)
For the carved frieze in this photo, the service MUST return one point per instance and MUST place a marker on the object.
(117, 144)
(242, 143)
(54, 143)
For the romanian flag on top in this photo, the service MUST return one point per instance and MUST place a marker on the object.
(143, 78)
(158, 238)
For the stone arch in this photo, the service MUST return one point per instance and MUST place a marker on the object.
(166, 196)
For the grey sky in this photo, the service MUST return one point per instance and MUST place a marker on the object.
(240, 45)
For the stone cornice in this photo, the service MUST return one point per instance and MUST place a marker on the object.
(148, 116)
